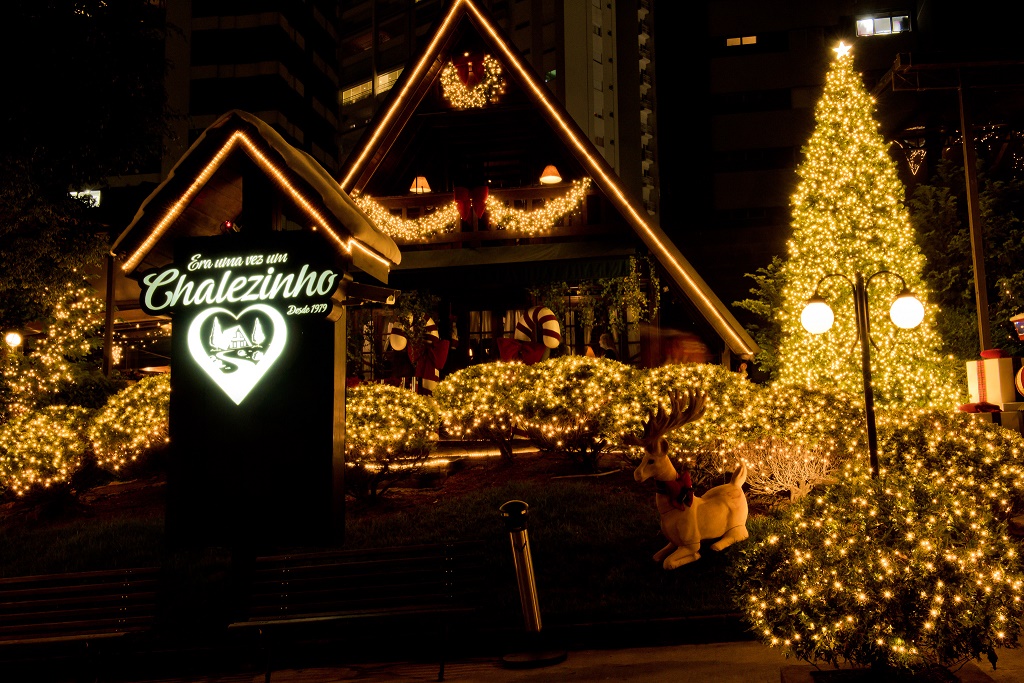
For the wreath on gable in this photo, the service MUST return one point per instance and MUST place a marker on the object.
(471, 84)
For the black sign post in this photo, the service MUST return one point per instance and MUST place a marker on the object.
(257, 409)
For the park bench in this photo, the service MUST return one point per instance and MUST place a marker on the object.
(48, 617)
(322, 595)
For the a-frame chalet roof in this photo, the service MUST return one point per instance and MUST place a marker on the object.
(416, 82)
(172, 208)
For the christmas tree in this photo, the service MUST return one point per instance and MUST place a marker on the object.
(849, 217)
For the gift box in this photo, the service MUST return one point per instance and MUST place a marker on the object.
(991, 380)
(1013, 419)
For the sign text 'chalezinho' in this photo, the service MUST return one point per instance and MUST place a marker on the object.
(194, 284)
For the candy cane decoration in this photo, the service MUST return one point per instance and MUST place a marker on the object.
(399, 338)
(539, 324)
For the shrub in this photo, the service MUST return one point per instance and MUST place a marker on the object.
(477, 402)
(982, 460)
(699, 445)
(741, 417)
(389, 432)
(893, 573)
(578, 405)
(42, 449)
(779, 465)
(132, 423)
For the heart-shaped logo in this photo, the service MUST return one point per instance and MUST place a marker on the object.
(237, 350)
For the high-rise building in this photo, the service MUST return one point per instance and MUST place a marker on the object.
(272, 58)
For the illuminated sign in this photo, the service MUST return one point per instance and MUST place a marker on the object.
(235, 303)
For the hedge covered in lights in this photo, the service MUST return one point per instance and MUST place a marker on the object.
(478, 402)
(579, 405)
(898, 571)
(389, 432)
(42, 449)
(132, 423)
(981, 460)
(741, 418)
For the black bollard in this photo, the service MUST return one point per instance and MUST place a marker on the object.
(515, 512)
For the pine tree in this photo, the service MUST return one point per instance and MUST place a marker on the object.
(849, 217)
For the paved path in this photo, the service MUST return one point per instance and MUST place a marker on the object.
(746, 662)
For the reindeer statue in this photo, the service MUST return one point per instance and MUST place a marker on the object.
(686, 519)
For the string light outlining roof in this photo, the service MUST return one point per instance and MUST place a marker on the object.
(370, 248)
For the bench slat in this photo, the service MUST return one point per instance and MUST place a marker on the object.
(82, 606)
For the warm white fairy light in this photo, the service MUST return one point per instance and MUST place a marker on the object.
(54, 360)
(133, 422)
(385, 422)
(578, 405)
(540, 220)
(389, 432)
(443, 220)
(849, 216)
(898, 570)
(478, 402)
(490, 87)
(41, 449)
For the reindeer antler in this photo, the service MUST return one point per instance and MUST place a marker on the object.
(687, 407)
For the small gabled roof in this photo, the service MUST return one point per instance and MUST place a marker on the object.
(417, 81)
(300, 177)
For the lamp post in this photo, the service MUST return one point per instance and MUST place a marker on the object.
(906, 312)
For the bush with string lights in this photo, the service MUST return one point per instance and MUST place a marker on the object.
(477, 403)
(578, 405)
(389, 432)
(741, 418)
(132, 424)
(894, 573)
(41, 450)
(981, 460)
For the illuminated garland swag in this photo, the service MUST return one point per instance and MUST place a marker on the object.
(487, 90)
(532, 223)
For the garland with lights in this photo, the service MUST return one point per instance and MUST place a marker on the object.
(895, 573)
(849, 216)
(490, 87)
(477, 402)
(541, 220)
(132, 423)
(389, 432)
(42, 449)
(531, 223)
(423, 228)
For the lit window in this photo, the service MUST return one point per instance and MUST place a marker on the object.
(356, 93)
(883, 25)
(386, 81)
(741, 40)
